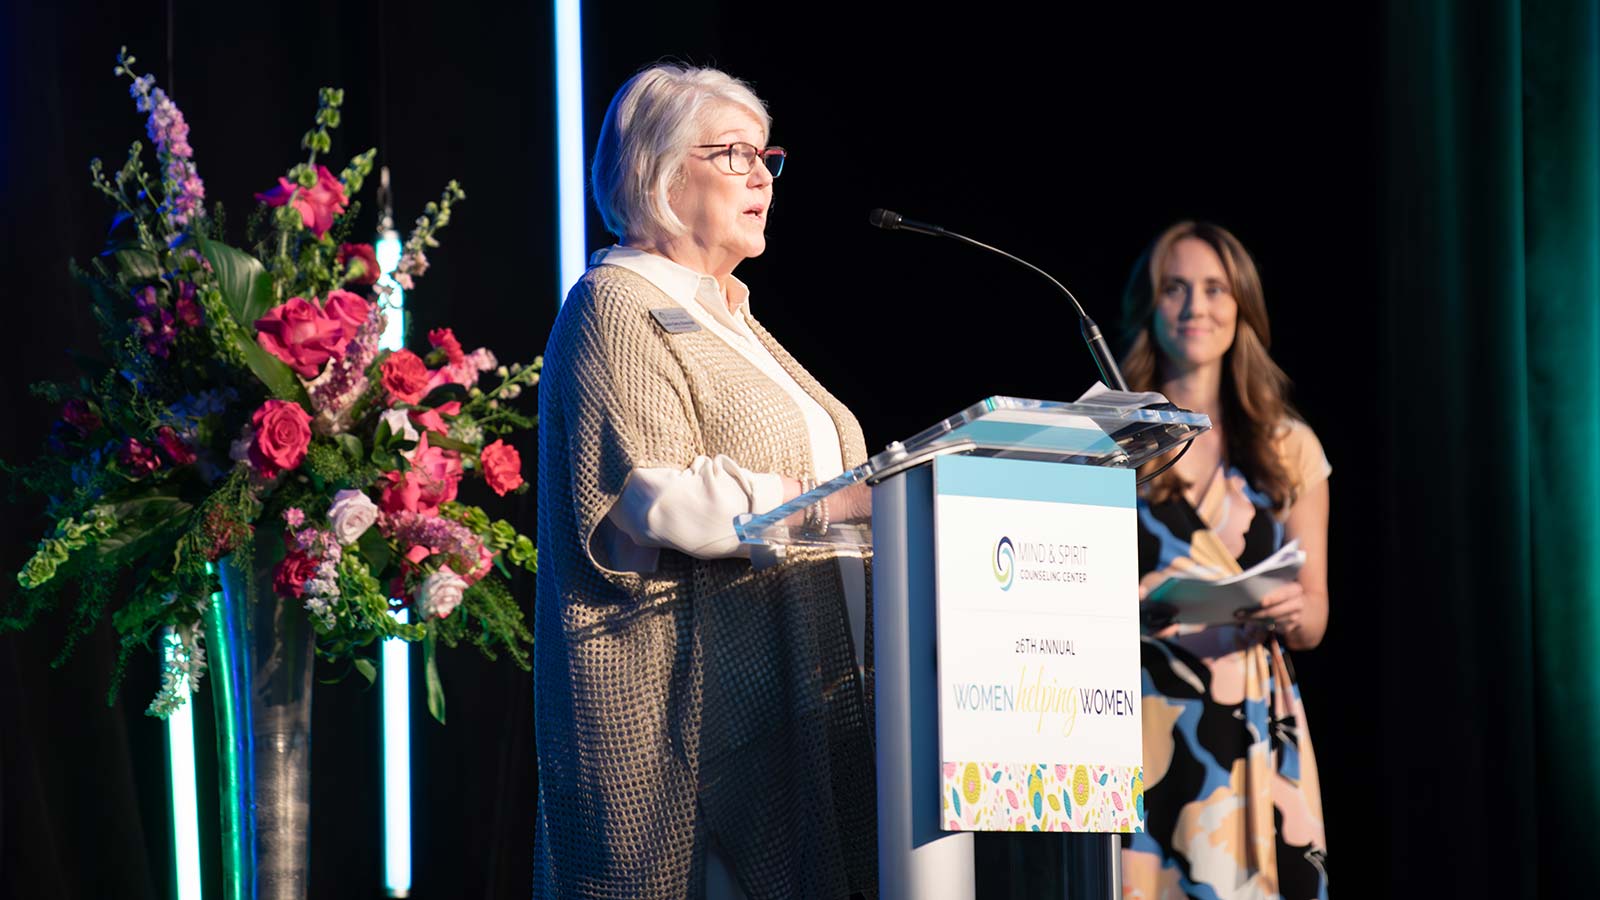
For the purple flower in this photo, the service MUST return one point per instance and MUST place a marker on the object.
(157, 331)
(181, 186)
(343, 382)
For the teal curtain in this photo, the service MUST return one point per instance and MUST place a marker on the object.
(1491, 624)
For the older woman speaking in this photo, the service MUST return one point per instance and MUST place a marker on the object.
(700, 718)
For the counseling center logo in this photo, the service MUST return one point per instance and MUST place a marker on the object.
(1054, 562)
(1005, 569)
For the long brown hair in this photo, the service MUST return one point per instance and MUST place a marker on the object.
(1254, 390)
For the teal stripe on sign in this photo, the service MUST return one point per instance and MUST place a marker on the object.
(1037, 437)
(1024, 479)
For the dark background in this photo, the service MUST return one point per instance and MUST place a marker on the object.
(1069, 137)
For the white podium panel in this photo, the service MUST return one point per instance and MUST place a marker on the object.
(1038, 644)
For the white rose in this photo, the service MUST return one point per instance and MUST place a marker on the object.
(352, 513)
(399, 423)
(441, 593)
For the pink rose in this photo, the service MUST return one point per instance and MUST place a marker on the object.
(502, 467)
(301, 335)
(137, 458)
(80, 416)
(445, 339)
(290, 577)
(318, 205)
(349, 310)
(176, 449)
(405, 377)
(282, 433)
(357, 253)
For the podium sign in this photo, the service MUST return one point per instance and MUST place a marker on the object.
(1038, 646)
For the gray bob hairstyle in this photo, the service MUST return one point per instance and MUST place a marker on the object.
(652, 122)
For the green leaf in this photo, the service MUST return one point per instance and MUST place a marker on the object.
(385, 460)
(430, 666)
(137, 266)
(160, 504)
(247, 293)
(367, 669)
(350, 445)
(273, 372)
(443, 394)
(140, 520)
(246, 287)
(375, 550)
(435, 439)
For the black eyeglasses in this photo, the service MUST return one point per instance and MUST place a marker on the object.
(742, 157)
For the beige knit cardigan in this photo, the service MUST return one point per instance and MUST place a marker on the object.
(706, 699)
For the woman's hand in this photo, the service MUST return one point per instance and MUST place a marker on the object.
(852, 504)
(1284, 607)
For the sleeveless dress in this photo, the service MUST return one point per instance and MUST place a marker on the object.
(1233, 804)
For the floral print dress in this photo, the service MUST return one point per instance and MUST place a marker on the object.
(1233, 804)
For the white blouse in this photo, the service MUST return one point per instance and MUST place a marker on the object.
(692, 509)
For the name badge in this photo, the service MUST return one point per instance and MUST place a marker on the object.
(675, 319)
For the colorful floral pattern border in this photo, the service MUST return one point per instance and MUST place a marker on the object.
(980, 796)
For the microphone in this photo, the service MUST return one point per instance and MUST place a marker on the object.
(1109, 373)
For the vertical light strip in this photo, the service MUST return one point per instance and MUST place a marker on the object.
(397, 765)
(180, 769)
(573, 253)
(394, 658)
(387, 250)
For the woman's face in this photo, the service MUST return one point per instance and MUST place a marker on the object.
(726, 214)
(1196, 314)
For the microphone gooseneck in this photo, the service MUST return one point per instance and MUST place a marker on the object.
(1109, 373)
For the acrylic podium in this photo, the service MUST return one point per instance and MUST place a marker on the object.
(1005, 629)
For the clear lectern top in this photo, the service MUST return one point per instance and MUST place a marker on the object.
(1103, 430)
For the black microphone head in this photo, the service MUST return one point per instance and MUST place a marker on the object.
(883, 218)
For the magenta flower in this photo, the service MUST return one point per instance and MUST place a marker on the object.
(139, 459)
(188, 309)
(80, 416)
(348, 309)
(318, 205)
(176, 448)
(302, 335)
(369, 263)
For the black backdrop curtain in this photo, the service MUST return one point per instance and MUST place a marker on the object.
(1454, 702)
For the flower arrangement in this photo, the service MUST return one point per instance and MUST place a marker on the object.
(242, 403)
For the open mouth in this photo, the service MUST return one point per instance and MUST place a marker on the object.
(756, 212)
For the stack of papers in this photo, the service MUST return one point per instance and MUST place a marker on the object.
(1100, 395)
(1202, 595)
